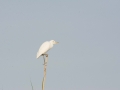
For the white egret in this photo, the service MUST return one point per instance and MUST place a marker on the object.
(45, 47)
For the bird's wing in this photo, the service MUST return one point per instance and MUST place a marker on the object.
(43, 49)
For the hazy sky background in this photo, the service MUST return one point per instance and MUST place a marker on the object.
(87, 57)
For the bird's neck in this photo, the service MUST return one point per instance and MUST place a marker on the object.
(51, 45)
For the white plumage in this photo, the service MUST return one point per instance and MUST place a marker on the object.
(45, 47)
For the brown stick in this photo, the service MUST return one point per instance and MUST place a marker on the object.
(45, 66)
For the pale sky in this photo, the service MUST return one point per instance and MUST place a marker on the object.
(87, 57)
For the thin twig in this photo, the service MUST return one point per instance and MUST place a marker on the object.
(31, 84)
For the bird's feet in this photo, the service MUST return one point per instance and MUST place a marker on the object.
(45, 55)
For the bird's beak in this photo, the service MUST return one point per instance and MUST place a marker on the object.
(56, 42)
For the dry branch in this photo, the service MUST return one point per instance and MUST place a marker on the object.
(45, 67)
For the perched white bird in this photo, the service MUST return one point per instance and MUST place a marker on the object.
(45, 47)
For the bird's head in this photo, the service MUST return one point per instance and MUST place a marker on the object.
(54, 42)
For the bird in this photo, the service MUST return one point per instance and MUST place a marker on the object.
(45, 47)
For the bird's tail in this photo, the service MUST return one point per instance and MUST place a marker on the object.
(38, 55)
